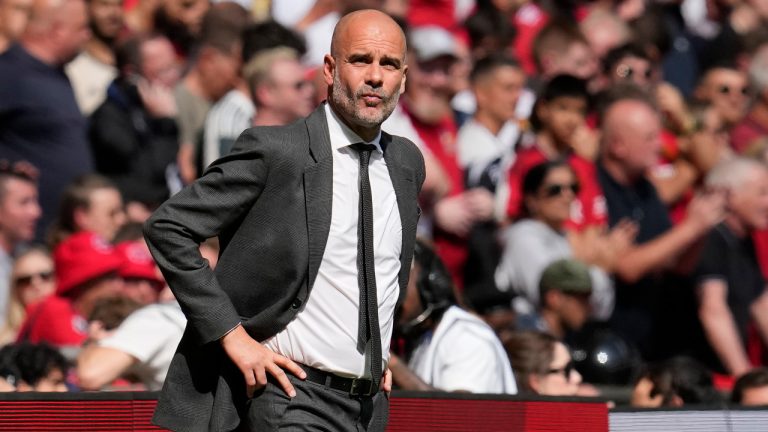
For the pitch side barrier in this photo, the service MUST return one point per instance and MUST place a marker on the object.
(410, 411)
(719, 418)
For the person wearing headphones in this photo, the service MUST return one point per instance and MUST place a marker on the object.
(448, 347)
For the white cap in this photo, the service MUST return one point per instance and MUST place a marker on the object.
(430, 42)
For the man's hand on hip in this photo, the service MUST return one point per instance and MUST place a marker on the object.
(255, 360)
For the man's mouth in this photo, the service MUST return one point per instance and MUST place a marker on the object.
(371, 98)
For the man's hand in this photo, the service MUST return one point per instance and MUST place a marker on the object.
(672, 105)
(255, 360)
(707, 210)
(386, 382)
(480, 202)
(585, 142)
(157, 99)
(454, 215)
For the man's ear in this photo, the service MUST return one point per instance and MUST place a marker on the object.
(533, 383)
(264, 94)
(530, 204)
(80, 217)
(552, 299)
(402, 81)
(329, 67)
(542, 110)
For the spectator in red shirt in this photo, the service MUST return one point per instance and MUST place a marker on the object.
(86, 271)
(561, 132)
(427, 106)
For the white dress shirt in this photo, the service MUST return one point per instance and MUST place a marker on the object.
(324, 333)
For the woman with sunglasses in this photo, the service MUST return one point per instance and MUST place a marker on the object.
(31, 281)
(538, 239)
(542, 364)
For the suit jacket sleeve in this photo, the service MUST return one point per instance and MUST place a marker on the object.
(216, 201)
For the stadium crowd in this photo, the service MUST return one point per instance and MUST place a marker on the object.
(595, 210)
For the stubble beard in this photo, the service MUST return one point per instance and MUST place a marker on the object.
(346, 101)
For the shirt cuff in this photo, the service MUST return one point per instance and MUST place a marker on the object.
(230, 331)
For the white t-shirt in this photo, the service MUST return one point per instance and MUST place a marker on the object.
(529, 247)
(90, 79)
(151, 335)
(463, 354)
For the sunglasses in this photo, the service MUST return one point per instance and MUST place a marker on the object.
(565, 370)
(25, 280)
(726, 89)
(626, 72)
(554, 190)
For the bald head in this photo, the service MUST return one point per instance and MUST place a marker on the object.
(368, 20)
(41, 14)
(631, 137)
(365, 71)
(625, 114)
(57, 30)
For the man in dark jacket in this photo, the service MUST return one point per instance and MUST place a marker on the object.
(293, 327)
(133, 134)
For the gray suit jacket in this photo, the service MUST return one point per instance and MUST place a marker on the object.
(269, 201)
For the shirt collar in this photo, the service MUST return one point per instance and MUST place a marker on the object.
(342, 136)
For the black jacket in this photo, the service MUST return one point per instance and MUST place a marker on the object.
(131, 148)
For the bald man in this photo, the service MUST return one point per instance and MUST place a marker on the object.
(292, 329)
(629, 148)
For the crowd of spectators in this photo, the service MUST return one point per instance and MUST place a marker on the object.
(596, 176)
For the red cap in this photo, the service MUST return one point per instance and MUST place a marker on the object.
(137, 262)
(82, 257)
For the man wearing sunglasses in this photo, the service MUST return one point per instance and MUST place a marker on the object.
(725, 88)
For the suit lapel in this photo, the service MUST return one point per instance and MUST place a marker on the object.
(318, 193)
(318, 189)
(404, 185)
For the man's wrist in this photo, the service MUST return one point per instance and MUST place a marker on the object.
(221, 339)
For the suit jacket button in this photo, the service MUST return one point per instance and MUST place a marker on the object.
(296, 304)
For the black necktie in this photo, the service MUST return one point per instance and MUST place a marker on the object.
(368, 328)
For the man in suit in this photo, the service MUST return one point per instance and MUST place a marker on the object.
(298, 210)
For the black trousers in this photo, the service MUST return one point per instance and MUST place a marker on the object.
(315, 408)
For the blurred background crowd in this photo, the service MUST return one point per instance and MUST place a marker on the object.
(595, 212)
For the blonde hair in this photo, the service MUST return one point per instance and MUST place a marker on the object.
(256, 71)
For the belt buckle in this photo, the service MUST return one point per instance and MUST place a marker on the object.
(361, 387)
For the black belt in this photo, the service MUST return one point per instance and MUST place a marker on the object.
(356, 387)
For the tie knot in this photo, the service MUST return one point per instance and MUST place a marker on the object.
(363, 147)
(364, 150)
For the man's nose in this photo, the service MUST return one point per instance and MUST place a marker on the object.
(374, 76)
